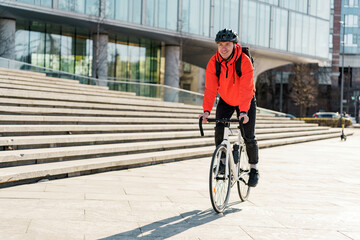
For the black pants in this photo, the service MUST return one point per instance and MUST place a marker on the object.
(224, 110)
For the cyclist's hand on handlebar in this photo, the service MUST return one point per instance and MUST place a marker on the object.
(245, 117)
(204, 116)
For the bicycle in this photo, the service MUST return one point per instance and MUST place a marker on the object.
(237, 167)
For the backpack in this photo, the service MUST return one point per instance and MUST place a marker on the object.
(245, 50)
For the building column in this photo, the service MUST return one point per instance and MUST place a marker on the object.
(172, 73)
(7, 38)
(172, 66)
(100, 64)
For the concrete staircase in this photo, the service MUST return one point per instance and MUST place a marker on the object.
(52, 128)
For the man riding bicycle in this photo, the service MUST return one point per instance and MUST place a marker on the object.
(236, 94)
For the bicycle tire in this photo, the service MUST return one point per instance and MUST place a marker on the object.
(219, 186)
(244, 170)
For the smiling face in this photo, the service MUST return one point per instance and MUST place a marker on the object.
(225, 49)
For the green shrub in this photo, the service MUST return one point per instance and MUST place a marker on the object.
(329, 122)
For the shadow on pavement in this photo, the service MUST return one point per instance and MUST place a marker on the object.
(172, 226)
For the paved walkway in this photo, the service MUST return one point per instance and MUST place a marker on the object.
(306, 191)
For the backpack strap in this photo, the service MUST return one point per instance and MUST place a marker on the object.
(238, 66)
(218, 68)
(246, 51)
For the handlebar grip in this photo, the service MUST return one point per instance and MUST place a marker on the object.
(200, 126)
(241, 127)
(241, 121)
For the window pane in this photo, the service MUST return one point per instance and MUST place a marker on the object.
(52, 51)
(280, 29)
(305, 35)
(312, 7)
(63, 4)
(22, 43)
(196, 17)
(322, 38)
(26, 1)
(80, 6)
(249, 22)
(323, 9)
(121, 10)
(263, 27)
(110, 9)
(92, 7)
(135, 11)
(312, 36)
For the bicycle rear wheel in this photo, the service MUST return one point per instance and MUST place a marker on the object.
(244, 170)
(219, 184)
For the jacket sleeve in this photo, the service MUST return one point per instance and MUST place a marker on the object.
(211, 85)
(247, 86)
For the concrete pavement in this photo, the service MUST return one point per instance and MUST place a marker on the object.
(306, 191)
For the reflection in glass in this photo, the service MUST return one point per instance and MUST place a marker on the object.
(196, 17)
(323, 12)
(124, 10)
(226, 14)
(280, 30)
(322, 38)
(54, 46)
(249, 22)
(312, 36)
(132, 59)
(162, 13)
(263, 27)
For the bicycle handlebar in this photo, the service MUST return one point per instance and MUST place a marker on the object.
(224, 120)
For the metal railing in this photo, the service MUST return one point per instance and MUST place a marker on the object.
(163, 92)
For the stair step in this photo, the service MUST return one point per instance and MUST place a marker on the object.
(21, 72)
(124, 120)
(18, 157)
(46, 80)
(137, 136)
(97, 138)
(89, 99)
(286, 141)
(46, 128)
(23, 156)
(51, 128)
(77, 91)
(32, 173)
(71, 168)
(60, 85)
(128, 113)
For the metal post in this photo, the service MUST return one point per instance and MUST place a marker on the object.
(342, 69)
(281, 91)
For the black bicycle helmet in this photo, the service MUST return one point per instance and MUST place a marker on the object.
(226, 35)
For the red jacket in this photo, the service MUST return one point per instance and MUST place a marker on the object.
(233, 90)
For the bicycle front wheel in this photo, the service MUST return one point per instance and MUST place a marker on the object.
(244, 170)
(219, 183)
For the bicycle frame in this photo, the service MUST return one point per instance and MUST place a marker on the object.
(241, 141)
(221, 184)
(229, 156)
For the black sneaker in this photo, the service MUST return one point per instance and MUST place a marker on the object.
(253, 177)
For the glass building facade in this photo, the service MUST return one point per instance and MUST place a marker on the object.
(70, 49)
(63, 48)
(350, 15)
(300, 27)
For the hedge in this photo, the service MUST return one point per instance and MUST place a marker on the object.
(329, 122)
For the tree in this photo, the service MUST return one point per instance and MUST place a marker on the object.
(303, 88)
